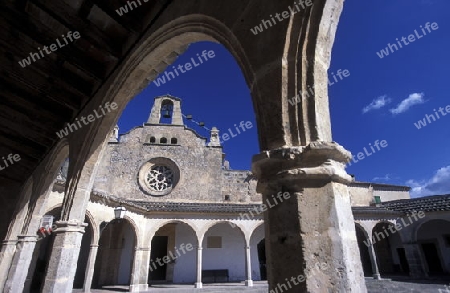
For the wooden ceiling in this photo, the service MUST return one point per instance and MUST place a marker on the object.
(38, 100)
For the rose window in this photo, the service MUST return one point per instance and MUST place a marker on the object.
(160, 178)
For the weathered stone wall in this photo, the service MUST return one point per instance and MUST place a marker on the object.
(202, 177)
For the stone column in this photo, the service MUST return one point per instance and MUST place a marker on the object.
(64, 257)
(20, 264)
(415, 262)
(373, 261)
(248, 267)
(89, 274)
(6, 257)
(139, 274)
(310, 230)
(199, 284)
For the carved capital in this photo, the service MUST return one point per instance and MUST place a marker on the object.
(69, 226)
(318, 161)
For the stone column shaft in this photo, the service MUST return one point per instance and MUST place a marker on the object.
(139, 275)
(89, 274)
(248, 267)
(373, 261)
(199, 284)
(64, 257)
(309, 225)
(20, 264)
(6, 257)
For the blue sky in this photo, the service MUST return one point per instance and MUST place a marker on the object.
(382, 99)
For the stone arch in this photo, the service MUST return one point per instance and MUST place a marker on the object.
(386, 246)
(233, 225)
(175, 221)
(223, 242)
(94, 226)
(174, 240)
(258, 253)
(364, 241)
(116, 253)
(48, 169)
(137, 233)
(433, 246)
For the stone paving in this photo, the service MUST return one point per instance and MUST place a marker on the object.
(373, 286)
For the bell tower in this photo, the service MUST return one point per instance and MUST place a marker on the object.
(166, 110)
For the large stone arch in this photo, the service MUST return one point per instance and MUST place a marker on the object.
(298, 153)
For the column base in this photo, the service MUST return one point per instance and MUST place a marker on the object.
(249, 283)
(198, 285)
(377, 276)
(138, 288)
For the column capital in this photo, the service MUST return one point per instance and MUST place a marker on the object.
(27, 238)
(318, 161)
(9, 242)
(69, 226)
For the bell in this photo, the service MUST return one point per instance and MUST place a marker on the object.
(166, 114)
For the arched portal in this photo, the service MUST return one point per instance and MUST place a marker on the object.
(363, 244)
(172, 257)
(258, 254)
(388, 249)
(86, 242)
(434, 240)
(115, 254)
(223, 254)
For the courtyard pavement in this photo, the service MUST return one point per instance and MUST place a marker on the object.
(373, 286)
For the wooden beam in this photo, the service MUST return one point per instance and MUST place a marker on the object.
(29, 29)
(126, 21)
(90, 32)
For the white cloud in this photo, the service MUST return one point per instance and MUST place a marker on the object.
(438, 184)
(413, 99)
(386, 177)
(376, 104)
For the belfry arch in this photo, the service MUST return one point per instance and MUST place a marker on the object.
(297, 155)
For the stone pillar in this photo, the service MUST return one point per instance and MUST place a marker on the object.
(199, 284)
(248, 267)
(373, 261)
(310, 230)
(415, 262)
(139, 274)
(6, 257)
(89, 274)
(64, 257)
(20, 264)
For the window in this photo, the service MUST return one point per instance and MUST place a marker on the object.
(227, 197)
(152, 139)
(173, 140)
(214, 242)
(163, 140)
(377, 199)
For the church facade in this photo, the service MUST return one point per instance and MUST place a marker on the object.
(166, 207)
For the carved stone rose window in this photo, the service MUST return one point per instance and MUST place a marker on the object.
(158, 176)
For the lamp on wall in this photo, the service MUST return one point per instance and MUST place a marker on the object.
(119, 212)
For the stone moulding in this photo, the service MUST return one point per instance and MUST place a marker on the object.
(317, 161)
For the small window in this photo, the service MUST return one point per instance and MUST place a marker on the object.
(227, 197)
(377, 199)
(214, 242)
(173, 140)
(163, 140)
(152, 139)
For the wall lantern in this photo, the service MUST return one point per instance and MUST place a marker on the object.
(119, 212)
